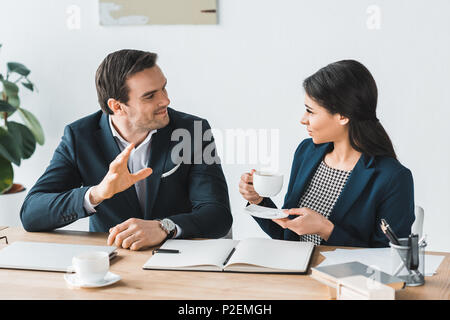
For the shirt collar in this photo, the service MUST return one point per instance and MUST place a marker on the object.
(122, 140)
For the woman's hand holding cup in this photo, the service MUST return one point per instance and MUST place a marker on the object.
(247, 190)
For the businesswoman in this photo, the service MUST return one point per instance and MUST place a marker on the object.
(347, 176)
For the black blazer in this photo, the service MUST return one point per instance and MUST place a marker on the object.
(195, 196)
(378, 187)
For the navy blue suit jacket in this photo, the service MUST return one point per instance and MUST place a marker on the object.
(378, 187)
(195, 196)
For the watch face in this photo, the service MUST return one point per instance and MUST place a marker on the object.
(168, 224)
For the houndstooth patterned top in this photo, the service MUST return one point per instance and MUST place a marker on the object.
(322, 193)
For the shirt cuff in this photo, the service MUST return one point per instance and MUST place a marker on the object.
(179, 230)
(87, 205)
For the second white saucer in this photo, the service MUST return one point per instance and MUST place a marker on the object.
(73, 280)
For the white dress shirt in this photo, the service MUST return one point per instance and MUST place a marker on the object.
(138, 160)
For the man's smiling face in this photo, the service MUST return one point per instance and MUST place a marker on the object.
(147, 104)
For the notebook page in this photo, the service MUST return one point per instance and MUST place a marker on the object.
(192, 253)
(274, 254)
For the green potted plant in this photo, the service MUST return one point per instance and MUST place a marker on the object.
(17, 140)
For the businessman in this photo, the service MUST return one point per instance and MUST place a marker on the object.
(116, 166)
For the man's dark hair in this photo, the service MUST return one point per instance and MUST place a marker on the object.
(115, 69)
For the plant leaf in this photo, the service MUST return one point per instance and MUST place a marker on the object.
(6, 107)
(28, 85)
(14, 101)
(18, 68)
(24, 137)
(33, 124)
(10, 88)
(10, 112)
(9, 148)
(6, 175)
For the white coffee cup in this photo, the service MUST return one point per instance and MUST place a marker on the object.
(267, 184)
(91, 267)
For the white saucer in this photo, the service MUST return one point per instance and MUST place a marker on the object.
(264, 212)
(72, 280)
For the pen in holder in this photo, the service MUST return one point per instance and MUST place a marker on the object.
(408, 260)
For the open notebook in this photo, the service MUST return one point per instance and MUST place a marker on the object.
(249, 255)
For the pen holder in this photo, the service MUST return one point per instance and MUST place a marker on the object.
(401, 256)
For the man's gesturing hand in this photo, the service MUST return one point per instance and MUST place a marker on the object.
(118, 178)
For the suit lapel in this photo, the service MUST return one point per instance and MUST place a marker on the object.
(159, 150)
(106, 141)
(108, 145)
(304, 174)
(355, 185)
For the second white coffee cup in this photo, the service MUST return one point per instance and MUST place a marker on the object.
(267, 184)
(91, 267)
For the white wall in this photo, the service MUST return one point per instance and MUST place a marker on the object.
(246, 72)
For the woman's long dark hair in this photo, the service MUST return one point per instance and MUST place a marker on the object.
(347, 88)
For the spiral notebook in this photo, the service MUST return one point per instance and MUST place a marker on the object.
(257, 255)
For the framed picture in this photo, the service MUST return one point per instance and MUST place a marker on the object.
(142, 12)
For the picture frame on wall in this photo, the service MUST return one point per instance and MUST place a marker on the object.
(157, 12)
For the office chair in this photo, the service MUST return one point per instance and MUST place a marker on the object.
(229, 235)
(417, 226)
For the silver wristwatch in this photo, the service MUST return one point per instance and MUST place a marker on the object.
(169, 227)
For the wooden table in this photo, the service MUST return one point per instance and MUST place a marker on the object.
(140, 284)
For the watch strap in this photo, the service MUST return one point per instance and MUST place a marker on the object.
(170, 234)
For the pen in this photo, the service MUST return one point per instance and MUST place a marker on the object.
(165, 251)
(229, 256)
(6, 239)
(389, 233)
(422, 241)
(414, 244)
